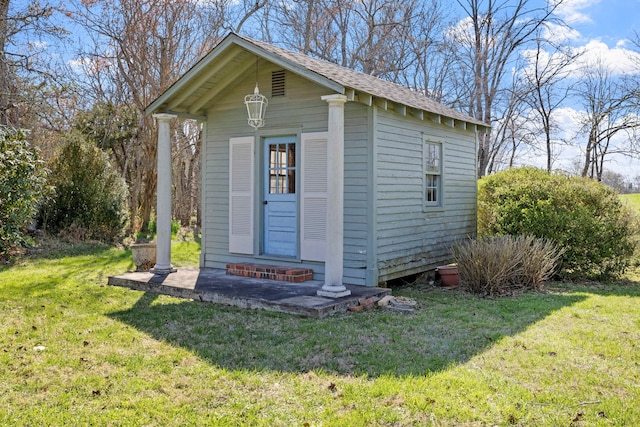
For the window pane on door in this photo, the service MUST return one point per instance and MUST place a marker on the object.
(282, 168)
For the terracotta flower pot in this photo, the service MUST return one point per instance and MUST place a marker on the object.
(144, 256)
(449, 275)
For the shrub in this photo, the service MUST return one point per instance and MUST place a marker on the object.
(175, 226)
(497, 265)
(585, 218)
(22, 183)
(90, 196)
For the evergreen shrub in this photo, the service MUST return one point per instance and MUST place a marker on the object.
(89, 200)
(583, 217)
(22, 184)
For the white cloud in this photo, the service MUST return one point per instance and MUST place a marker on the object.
(618, 60)
(461, 32)
(573, 11)
(38, 45)
(79, 64)
(89, 66)
(621, 43)
(568, 121)
(560, 33)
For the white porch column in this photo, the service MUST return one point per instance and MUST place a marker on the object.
(333, 267)
(163, 208)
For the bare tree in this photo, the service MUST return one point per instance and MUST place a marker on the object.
(186, 172)
(380, 44)
(512, 133)
(545, 89)
(484, 44)
(19, 62)
(617, 181)
(611, 110)
(400, 41)
(139, 48)
(300, 25)
(427, 53)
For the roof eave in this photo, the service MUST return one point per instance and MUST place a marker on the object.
(354, 94)
(233, 39)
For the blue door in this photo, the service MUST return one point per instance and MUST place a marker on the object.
(280, 209)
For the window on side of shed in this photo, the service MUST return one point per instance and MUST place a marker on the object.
(432, 169)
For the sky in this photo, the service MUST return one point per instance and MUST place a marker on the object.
(604, 29)
(607, 20)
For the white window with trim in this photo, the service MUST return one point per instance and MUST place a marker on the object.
(432, 170)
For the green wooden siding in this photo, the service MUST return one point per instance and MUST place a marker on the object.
(410, 237)
(301, 110)
(388, 231)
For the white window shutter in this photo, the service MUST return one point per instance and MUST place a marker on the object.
(313, 212)
(241, 190)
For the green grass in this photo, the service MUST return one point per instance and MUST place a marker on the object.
(567, 356)
(633, 200)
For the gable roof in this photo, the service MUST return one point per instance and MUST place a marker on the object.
(354, 84)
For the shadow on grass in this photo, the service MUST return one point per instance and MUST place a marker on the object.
(449, 328)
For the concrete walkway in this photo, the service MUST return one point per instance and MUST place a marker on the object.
(213, 285)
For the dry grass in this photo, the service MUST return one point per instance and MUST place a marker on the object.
(498, 265)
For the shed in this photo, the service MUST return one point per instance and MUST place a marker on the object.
(352, 178)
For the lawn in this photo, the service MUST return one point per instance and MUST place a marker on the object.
(632, 199)
(77, 352)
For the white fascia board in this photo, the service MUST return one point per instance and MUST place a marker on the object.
(188, 116)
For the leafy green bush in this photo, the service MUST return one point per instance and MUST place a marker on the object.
(500, 264)
(175, 226)
(22, 184)
(90, 196)
(582, 216)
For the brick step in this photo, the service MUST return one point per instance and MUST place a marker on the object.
(271, 272)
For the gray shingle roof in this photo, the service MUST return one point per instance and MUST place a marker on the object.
(364, 83)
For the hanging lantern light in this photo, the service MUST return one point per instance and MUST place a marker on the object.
(256, 105)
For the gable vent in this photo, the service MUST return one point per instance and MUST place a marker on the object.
(277, 83)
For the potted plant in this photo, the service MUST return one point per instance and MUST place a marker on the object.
(143, 251)
(448, 275)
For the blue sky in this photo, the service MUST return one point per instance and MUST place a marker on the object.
(610, 20)
(612, 23)
(602, 29)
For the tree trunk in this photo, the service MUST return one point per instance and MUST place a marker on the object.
(8, 114)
